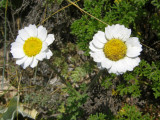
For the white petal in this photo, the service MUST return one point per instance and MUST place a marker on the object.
(113, 69)
(13, 51)
(42, 33)
(97, 43)
(16, 45)
(44, 46)
(50, 39)
(17, 50)
(34, 63)
(133, 47)
(19, 40)
(118, 32)
(100, 36)
(106, 63)
(49, 54)
(131, 63)
(21, 61)
(17, 53)
(41, 56)
(121, 66)
(97, 56)
(27, 62)
(23, 34)
(133, 51)
(108, 32)
(133, 41)
(31, 30)
(93, 48)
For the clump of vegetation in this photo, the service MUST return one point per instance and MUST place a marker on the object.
(145, 74)
(131, 113)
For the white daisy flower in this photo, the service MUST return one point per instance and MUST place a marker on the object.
(31, 46)
(115, 50)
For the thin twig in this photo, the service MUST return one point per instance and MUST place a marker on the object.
(56, 12)
(147, 46)
(5, 38)
(10, 29)
(86, 12)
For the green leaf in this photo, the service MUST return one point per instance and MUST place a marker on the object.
(11, 110)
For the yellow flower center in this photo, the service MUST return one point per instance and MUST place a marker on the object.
(32, 46)
(115, 49)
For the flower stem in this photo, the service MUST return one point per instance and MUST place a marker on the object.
(96, 77)
(35, 73)
(5, 37)
(62, 78)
